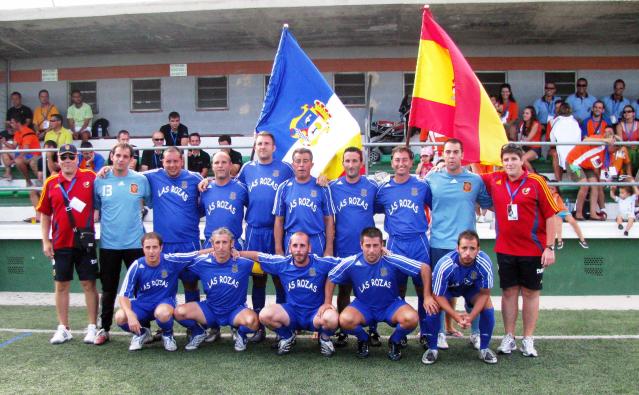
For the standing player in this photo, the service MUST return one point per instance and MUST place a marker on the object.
(525, 244)
(354, 201)
(119, 198)
(225, 282)
(467, 272)
(303, 206)
(148, 292)
(402, 199)
(303, 276)
(65, 196)
(224, 200)
(375, 280)
(455, 192)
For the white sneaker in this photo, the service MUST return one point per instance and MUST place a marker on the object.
(475, 340)
(442, 344)
(528, 347)
(430, 357)
(137, 341)
(487, 355)
(61, 335)
(92, 331)
(507, 345)
(169, 343)
(240, 341)
(212, 334)
(327, 348)
(195, 342)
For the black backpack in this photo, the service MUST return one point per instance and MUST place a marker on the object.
(100, 128)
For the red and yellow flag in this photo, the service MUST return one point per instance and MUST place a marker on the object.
(449, 99)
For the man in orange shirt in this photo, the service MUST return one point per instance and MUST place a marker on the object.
(24, 138)
(42, 113)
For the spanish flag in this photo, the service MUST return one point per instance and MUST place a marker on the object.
(449, 99)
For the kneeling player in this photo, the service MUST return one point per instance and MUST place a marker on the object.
(466, 272)
(303, 277)
(148, 292)
(225, 282)
(374, 277)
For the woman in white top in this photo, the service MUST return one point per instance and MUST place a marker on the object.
(565, 129)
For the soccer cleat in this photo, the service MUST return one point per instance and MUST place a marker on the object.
(156, 337)
(394, 351)
(507, 345)
(362, 349)
(583, 244)
(442, 344)
(284, 345)
(475, 340)
(373, 339)
(430, 357)
(137, 341)
(169, 343)
(528, 347)
(327, 348)
(258, 336)
(487, 355)
(342, 339)
(101, 337)
(92, 331)
(240, 341)
(61, 335)
(195, 342)
(212, 334)
(423, 340)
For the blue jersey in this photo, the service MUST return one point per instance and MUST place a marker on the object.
(152, 284)
(403, 205)
(176, 210)
(262, 182)
(451, 276)
(581, 106)
(304, 286)
(375, 284)
(224, 206)
(119, 200)
(225, 284)
(303, 206)
(354, 210)
(453, 205)
(614, 108)
(544, 109)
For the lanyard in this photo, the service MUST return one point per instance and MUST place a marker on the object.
(628, 132)
(550, 106)
(155, 160)
(174, 137)
(66, 192)
(598, 125)
(513, 194)
(615, 106)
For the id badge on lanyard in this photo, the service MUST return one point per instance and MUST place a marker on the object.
(511, 209)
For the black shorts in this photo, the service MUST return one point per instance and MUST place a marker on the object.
(525, 271)
(64, 259)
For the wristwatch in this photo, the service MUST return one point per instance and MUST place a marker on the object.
(551, 247)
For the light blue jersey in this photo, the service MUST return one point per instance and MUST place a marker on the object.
(581, 106)
(614, 108)
(224, 206)
(544, 109)
(262, 182)
(354, 210)
(453, 208)
(451, 278)
(403, 205)
(303, 206)
(176, 210)
(119, 200)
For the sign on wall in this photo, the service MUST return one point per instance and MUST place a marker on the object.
(178, 70)
(49, 75)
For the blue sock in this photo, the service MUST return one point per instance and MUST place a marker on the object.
(474, 326)
(399, 333)
(358, 332)
(125, 327)
(284, 332)
(326, 332)
(432, 325)
(280, 296)
(167, 327)
(244, 330)
(192, 296)
(486, 326)
(194, 326)
(258, 297)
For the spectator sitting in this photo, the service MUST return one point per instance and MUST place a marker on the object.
(529, 130)
(124, 136)
(24, 138)
(42, 114)
(545, 105)
(236, 157)
(616, 102)
(628, 130)
(52, 169)
(152, 159)
(18, 108)
(425, 163)
(507, 106)
(58, 133)
(626, 202)
(596, 123)
(199, 161)
(562, 215)
(174, 130)
(79, 115)
(89, 159)
(565, 129)
(581, 102)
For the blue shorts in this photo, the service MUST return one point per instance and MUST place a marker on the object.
(170, 248)
(145, 311)
(237, 244)
(415, 247)
(214, 319)
(318, 243)
(374, 315)
(467, 293)
(563, 214)
(259, 239)
(300, 318)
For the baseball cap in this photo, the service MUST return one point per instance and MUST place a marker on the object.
(426, 151)
(68, 149)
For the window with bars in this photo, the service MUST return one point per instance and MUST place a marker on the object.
(89, 92)
(492, 80)
(350, 88)
(212, 93)
(563, 80)
(146, 95)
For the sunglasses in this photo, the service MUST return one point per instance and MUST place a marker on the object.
(628, 111)
(551, 88)
(582, 85)
(158, 139)
(67, 157)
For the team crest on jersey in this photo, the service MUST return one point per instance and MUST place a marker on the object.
(276, 173)
(164, 274)
(184, 184)
(473, 275)
(313, 193)
(312, 272)
(363, 192)
(525, 191)
(467, 186)
(232, 196)
(498, 182)
(86, 184)
(383, 272)
(133, 188)
(414, 192)
(234, 268)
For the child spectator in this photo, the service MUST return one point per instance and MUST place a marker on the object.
(626, 201)
(425, 164)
